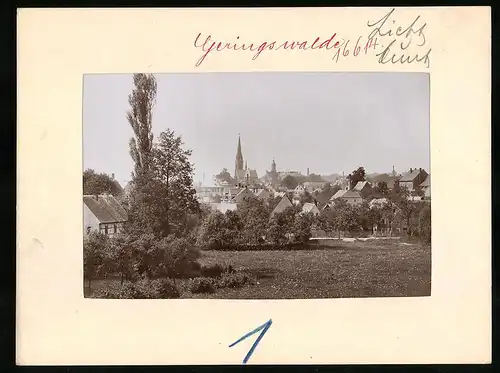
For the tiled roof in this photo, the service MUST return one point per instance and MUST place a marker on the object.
(351, 194)
(360, 185)
(309, 207)
(105, 208)
(242, 194)
(282, 205)
(339, 194)
(263, 194)
(410, 176)
(427, 182)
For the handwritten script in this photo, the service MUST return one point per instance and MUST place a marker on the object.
(391, 42)
(401, 38)
(341, 47)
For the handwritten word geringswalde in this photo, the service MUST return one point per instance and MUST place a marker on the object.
(341, 46)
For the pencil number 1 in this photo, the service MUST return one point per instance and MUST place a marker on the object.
(264, 327)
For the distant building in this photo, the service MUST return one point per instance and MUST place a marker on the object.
(363, 188)
(263, 194)
(310, 208)
(243, 175)
(243, 193)
(413, 179)
(282, 205)
(223, 206)
(350, 196)
(103, 213)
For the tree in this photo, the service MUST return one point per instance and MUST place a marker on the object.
(345, 218)
(175, 175)
(254, 216)
(281, 226)
(225, 176)
(289, 182)
(140, 117)
(424, 224)
(314, 178)
(381, 189)
(356, 176)
(99, 183)
(94, 256)
(302, 227)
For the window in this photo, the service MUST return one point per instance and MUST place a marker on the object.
(106, 229)
(115, 228)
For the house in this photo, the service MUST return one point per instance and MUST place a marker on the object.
(426, 183)
(263, 194)
(390, 179)
(103, 213)
(311, 186)
(243, 193)
(223, 206)
(413, 179)
(282, 205)
(338, 195)
(299, 190)
(364, 188)
(352, 197)
(310, 208)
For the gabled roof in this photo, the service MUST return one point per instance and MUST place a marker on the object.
(105, 208)
(240, 174)
(263, 194)
(410, 176)
(351, 194)
(309, 207)
(426, 183)
(252, 174)
(360, 185)
(282, 205)
(339, 194)
(245, 192)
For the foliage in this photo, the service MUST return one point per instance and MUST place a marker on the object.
(140, 117)
(224, 176)
(306, 197)
(281, 226)
(219, 230)
(302, 228)
(201, 285)
(424, 224)
(235, 280)
(215, 270)
(94, 255)
(142, 289)
(254, 215)
(99, 183)
(381, 190)
(314, 177)
(289, 182)
(356, 176)
(345, 218)
(179, 257)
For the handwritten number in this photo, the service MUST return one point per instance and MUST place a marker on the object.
(264, 327)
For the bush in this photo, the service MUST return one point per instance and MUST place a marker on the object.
(142, 289)
(165, 289)
(201, 285)
(235, 280)
(216, 270)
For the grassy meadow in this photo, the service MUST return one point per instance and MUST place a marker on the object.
(335, 269)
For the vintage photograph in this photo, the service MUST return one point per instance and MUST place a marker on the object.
(262, 185)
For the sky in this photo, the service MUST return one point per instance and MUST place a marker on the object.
(327, 122)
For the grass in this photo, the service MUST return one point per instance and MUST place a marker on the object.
(333, 270)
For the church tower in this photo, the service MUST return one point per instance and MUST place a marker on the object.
(273, 167)
(239, 159)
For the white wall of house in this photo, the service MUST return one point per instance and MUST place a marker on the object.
(90, 221)
(353, 201)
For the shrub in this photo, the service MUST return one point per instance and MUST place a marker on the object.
(165, 289)
(235, 280)
(201, 285)
(142, 289)
(216, 270)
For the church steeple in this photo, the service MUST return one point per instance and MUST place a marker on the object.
(239, 159)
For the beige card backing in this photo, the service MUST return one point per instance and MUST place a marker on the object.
(56, 325)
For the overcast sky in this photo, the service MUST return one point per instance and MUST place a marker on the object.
(329, 122)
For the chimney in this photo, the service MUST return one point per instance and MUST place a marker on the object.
(411, 170)
(307, 171)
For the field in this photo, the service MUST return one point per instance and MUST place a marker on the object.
(338, 270)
